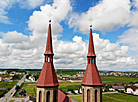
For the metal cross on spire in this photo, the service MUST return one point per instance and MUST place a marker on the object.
(90, 19)
(49, 15)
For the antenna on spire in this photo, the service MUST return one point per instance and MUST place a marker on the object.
(90, 19)
(49, 15)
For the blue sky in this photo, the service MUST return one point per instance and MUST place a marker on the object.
(24, 24)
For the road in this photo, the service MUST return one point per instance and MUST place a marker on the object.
(9, 95)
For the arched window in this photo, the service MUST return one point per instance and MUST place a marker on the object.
(40, 96)
(95, 95)
(100, 94)
(55, 96)
(88, 60)
(92, 60)
(45, 59)
(48, 97)
(51, 59)
(48, 59)
(88, 95)
(83, 94)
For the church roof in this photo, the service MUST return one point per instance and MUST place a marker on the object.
(133, 87)
(48, 76)
(91, 45)
(49, 48)
(62, 97)
(91, 76)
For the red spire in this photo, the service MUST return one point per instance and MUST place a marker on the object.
(91, 76)
(91, 47)
(49, 49)
(48, 76)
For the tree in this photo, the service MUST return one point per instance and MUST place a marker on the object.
(17, 88)
(27, 76)
(15, 77)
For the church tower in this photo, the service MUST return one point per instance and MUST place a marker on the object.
(47, 84)
(91, 83)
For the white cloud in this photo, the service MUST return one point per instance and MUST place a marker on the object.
(30, 3)
(5, 5)
(14, 37)
(39, 20)
(28, 51)
(130, 37)
(71, 54)
(108, 15)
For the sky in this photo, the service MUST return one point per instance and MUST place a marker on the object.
(24, 26)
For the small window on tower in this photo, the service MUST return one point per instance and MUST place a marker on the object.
(48, 97)
(51, 60)
(89, 61)
(45, 59)
(95, 95)
(48, 59)
(92, 61)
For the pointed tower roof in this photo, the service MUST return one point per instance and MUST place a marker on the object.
(48, 76)
(91, 45)
(91, 76)
(49, 48)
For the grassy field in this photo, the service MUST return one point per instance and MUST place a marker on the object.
(64, 86)
(114, 79)
(7, 85)
(116, 97)
(30, 88)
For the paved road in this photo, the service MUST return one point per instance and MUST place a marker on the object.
(9, 95)
(17, 99)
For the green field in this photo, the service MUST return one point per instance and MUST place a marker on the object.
(30, 88)
(64, 86)
(115, 79)
(116, 97)
(7, 85)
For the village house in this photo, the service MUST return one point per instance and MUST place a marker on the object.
(2, 72)
(30, 99)
(75, 80)
(132, 90)
(32, 78)
(20, 73)
(1, 78)
(12, 73)
(7, 78)
(136, 84)
(22, 92)
(117, 88)
(80, 75)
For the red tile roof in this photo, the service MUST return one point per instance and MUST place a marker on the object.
(49, 48)
(91, 76)
(91, 45)
(133, 87)
(62, 97)
(48, 76)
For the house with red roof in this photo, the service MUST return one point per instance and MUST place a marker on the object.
(1, 78)
(132, 90)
